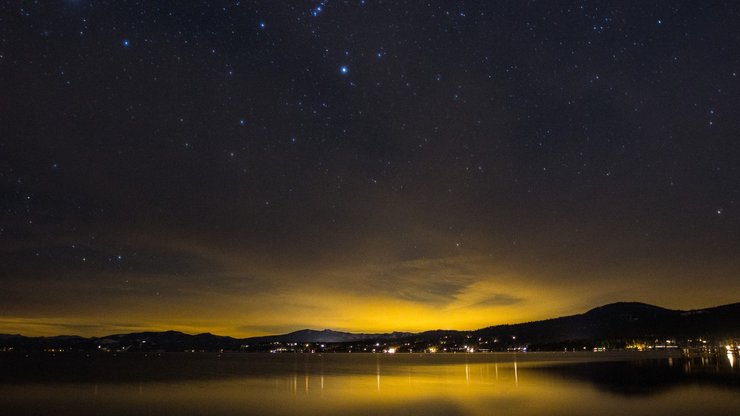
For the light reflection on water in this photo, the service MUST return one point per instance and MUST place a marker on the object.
(373, 384)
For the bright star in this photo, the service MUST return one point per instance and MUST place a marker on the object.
(344, 69)
(126, 43)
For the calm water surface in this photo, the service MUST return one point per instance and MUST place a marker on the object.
(359, 384)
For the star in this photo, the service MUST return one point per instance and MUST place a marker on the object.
(344, 69)
(317, 10)
(126, 43)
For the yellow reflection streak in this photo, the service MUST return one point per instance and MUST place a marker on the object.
(377, 364)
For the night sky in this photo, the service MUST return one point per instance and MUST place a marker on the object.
(254, 167)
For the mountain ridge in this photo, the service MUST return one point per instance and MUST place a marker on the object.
(619, 320)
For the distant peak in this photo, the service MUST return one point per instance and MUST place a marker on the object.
(626, 307)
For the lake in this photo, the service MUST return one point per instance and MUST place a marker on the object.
(368, 384)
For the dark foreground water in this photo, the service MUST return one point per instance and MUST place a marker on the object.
(359, 384)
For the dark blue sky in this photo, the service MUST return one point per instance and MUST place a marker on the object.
(166, 156)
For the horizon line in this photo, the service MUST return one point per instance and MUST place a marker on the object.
(362, 332)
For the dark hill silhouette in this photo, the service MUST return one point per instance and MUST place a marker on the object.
(327, 335)
(616, 321)
(624, 320)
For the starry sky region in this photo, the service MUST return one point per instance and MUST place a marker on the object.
(256, 167)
